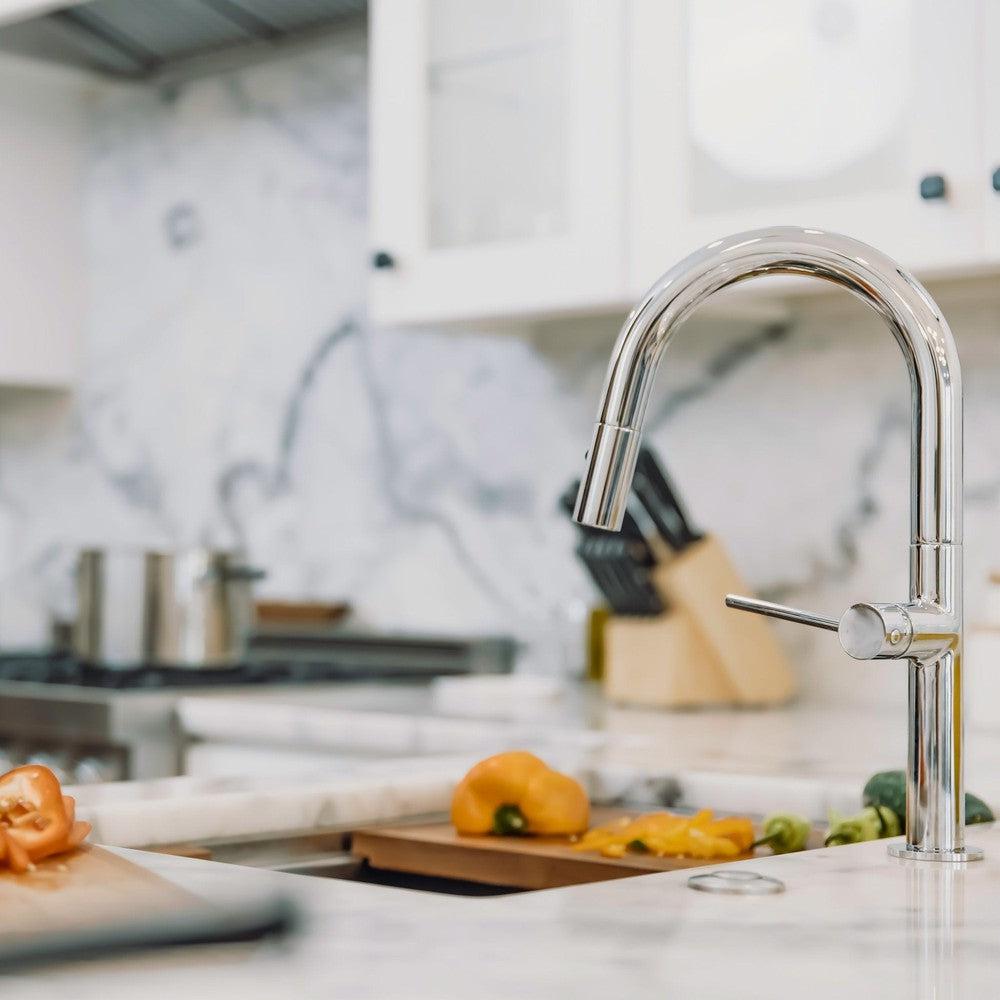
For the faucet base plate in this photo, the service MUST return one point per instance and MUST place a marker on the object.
(916, 854)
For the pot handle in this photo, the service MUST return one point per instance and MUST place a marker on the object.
(249, 573)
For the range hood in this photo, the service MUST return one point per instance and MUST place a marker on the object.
(141, 39)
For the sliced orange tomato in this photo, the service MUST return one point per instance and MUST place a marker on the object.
(36, 819)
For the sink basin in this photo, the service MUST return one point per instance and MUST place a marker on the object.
(425, 854)
(352, 869)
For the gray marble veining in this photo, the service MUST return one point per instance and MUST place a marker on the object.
(234, 393)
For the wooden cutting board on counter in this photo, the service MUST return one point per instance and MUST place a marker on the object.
(435, 849)
(90, 886)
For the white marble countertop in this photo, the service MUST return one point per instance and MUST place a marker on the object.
(852, 922)
(798, 741)
(799, 748)
(354, 754)
(185, 810)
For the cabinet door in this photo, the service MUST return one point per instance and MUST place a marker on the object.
(498, 147)
(988, 175)
(834, 114)
(42, 275)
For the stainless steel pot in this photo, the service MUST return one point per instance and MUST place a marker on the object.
(192, 608)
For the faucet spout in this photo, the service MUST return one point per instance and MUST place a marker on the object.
(903, 303)
(935, 798)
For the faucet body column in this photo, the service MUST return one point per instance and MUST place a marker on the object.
(935, 795)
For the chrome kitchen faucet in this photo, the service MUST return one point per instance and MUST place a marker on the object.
(926, 630)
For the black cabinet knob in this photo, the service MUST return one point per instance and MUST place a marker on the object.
(383, 259)
(996, 179)
(932, 186)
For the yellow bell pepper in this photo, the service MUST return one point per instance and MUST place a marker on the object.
(518, 793)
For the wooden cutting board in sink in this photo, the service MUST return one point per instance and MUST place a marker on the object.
(435, 849)
(87, 887)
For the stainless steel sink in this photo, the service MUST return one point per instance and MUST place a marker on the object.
(345, 866)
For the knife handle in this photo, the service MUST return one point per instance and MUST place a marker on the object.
(665, 518)
(649, 466)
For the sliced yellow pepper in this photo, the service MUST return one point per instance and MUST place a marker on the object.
(667, 835)
(738, 829)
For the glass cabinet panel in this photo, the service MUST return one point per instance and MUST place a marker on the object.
(773, 118)
(497, 149)
(846, 115)
(497, 157)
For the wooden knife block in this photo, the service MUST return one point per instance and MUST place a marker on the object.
(698, 653)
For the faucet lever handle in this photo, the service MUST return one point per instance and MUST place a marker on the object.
(866, 631)
(772, 610)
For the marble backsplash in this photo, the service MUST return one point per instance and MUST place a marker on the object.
(234, 394)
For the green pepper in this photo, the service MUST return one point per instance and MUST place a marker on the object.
(888, 788)
(872, 823)
(784, 833)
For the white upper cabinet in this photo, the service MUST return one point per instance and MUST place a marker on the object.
(42, 276)
(988, 174)
(497, 173)
(558, 155)
(847, 115)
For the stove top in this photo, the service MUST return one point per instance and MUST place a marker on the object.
(278, 659)
(41, 668)
(95, 722)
